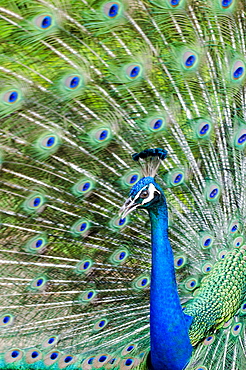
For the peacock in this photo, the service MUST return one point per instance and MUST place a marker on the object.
(122, 178)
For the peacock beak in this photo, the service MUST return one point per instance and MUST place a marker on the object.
(127, 207)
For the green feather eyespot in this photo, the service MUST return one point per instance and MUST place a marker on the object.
(175, 177)
(87, 296)
(101, 360)
(84, 266)
(227, 324)
(101, 136)
(80, 227)
(33, 355)
(189, 60)
(112, 10)
(38, 283)
(129, 348)
(36, 244)
(222, 254)
(238, 71)
(50, 341)
(236, 329)
(118, 223)
(212, 191)
(113, 363)
(48, 144)
(83, 187)
(156, 124)
(10, 100)
(207, 267)
(206, 240)
(66, 360)
(13, 355)
(191, 284)
(141, 282)
(202, 128)
(175, 3)
(128, 363)
(243, 308)
(209, 340)
(227, 4)
(238, 241)
(234, 227)
(6, 320)
(100, 324)
(240, 138)
(133, 72)
(51, 358)
(44, 22)
(34, 203)
(131, 178)
(73, 82)
(119, 256)
(179, 262)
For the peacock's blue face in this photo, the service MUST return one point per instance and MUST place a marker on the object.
(144, 194)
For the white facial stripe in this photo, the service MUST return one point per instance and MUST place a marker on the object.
(151, 188)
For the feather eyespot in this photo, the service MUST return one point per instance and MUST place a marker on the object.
(156, 124)
(87, 296)
(236, 329)
(33, 355)
(212, 191)
(6, 320)
(118, 222)
(83, 186)
(190, 60)
(11, 97)
(238, 241)
(43, 21)
(191, 284)
(240, 138)
(112, 9)
(80, 227)
(206, 268)
(34, 203)
(38, 283)
(209, 340)
(84, 266)
(73, 82)
(226, 3)
(50, 341)
(101, 324)
(243, 308)
(131, 178)
(13, 355)
(179, 262)
(134, 71)
(119, 256)
(141, 282)
(175, 177)
(206, 240)
(234, 227)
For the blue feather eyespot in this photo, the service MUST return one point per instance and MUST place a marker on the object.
(236, 329)
(118, 223)
(119, 256)
(43, 21)
(50, 341)
(243, 308)
(190, 60)
(134, 71)
(38, 283)
(90, 360)
(13, 355)
(174, 3)
(234, 227)
(101, 136)
(73, 82)
(51, 357)
(112, 10)
(191, 284)
(238, 241)
(80, 227)
(129, 362)
(206, 240)
(130, 178)
(212, 191)
(84, 266)
(11, 97)
(209, 340)
(222, 254)
(87, 296)
(83, 186)
(202, 128)
(240, 138)
(156, 124)
(34, 203)
(6, 320)
(238, 71)
(33, 355)
(226, 3)
(179, 262)
(141, 282)
(201, 368)
(129, 348)
(103, 358)
(175, 177)
(100, 324)
(207, 267)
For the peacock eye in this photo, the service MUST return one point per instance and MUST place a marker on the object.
(144, 194)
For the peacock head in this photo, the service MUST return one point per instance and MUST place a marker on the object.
(146, 193)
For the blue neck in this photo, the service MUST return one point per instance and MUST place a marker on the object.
(169, 339)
